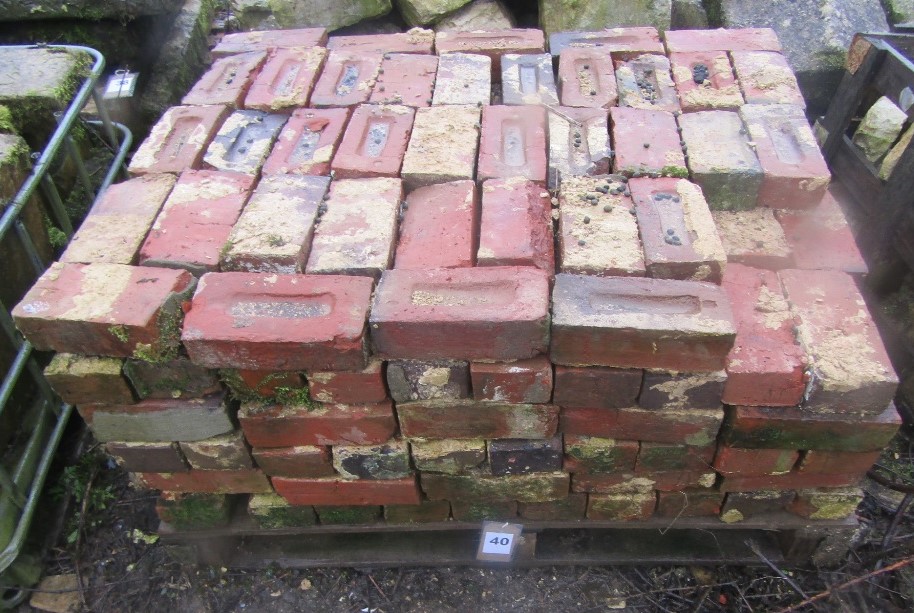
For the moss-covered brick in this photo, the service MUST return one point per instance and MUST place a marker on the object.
(621, 507)
(272, 511)
(665, 456)
(479, 487)
(463, 510)
(79, 379)
(195, 511)
(177, 378)
(741, 505)
(428, 511)
(826, 503)
(348, 514)
(387, 461)
(593, 454)
(570, 508)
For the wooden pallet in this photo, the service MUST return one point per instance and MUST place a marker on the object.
(781, 538)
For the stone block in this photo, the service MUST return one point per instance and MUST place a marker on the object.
(357, 233)
(360, 387)
(620, 43)
(688, 14)
(721, 39)
(492, 43)
(596, 387)
(647, 143)
(754, 238)
(879, 129)
(742, 505)
(148, 456)
(705, 81)
(330, 424)
(516, 225)
(442, 147)
(558, 16)
(438, 229)
(522, 457)
(244, 141)
(621, 507)
(159, 420)
(357, 492)
(80, 379)
(645, 83)
(414, 40)
(424, 12)
(426, 512)
(587, 78)
(227, 81)
(328, 13)
(528, 79)
(374, 142)
(598, 233)
(594, 454)
(513, 143)
(419, 380)
(272, 511)
(406, 79)
(640, 323)
(449, 456)
(286, 79)
(463, 78)
(571, 508)
(176, 378)
(307, 142)
(206, 482)
(677, 391)
(178, 140)
(116, 226)
(739, 461)
(487, 313)
(278, 322)
(692, 427)
(347, 79)
(303, 461)
(661, 457)
(539, 487)
(269, 40)
(523, 381)
(387, 461)
(688, 503)
(477, 15)
(469, 419)
(826, 503)
(578, 143)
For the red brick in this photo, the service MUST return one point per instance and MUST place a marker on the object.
(524, 381)
(260, 384)
(578, 143)
(832, 462)
(489, 313)
(677, 230)
(820, 238)
(746, 39)
(147, 456)
(646, 69)
(718, 89)
(632, 129)
(104, 309)
(80, 379)
(513, 143)
(463, 79)
(664, 457)
(796, 175)
(360, 492)
(598, 234)
(624, 43)
(442, 147)
(468, 419)
(796, 428)
(680, 391)
(278, 322)
(268, 40)
(357, 233)
(307, 142)
(754, 238)
(528, 79)
(693, 427)
(737, 461)
(176, 378)
(438, 227)
(331, 424)
(479, 487)
(427, 380)
(286, 79)
(244, 141)
(170, 419)
(223, 452)
(572, 507)
(628, 483)
(640, 323)
(415, 40)
(115, 227)
(621, 507)
(207, 482)
(493, 43)
(596, 455)
(850, 368)
(587, 78)
(347, 79)
(596, 388)
(177, 142)
(274, 232)
(227, 81)
(360, 387)
(516, 225)
(789, 481)
(196, 220)
(766, 365)
(406, 79)
(688, 503)
(305, 461)
(374, 143)
(766, 78)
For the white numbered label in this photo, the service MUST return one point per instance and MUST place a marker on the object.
(498, 543)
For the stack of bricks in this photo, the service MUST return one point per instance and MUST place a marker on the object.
(416, 277)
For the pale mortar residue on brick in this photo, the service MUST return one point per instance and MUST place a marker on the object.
(836, 504)
(635, 485)
(322, 377)
(760, 70)
(265, 230)
(443, 142)
(677, 388)
(700, 224)
(435, 377)
(354, 436)
(774, 308)
(707, 480)
(743, 232)
(523, 420)
(101, 287)
(715, 143)
(420, 36)
(211, 188)
(731, 516)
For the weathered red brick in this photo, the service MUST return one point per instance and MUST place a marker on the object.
(528, 79)
(104, 309)
(227, 81)
(754, 238)
(361, 492)
(207, 482)
(80, 379)
(374, 142)
(360, 387)
(415, 40)
(830, 462)
(502, 510)
(623, 43)
(598, 234)
(745, 39)
(820, 238)
(524, 381)
(587, 78)
(578, 143)
(766, 78)
(451, 456)
(177, 142)
(224, 452)
(493, 43)
(115, 227)
(677, 230)
(635, 483)
(660, 457)
(196, 220)
(469, 419)
(641, 323)
(689, 503)
(357, 233)
(488, 313)
(286, 79)
(766, 365)
(427, 380)
(681, 390)
(268, 40)
(796, 428)
(307, 142)
(438, 227)
(738, 461)
(632, 77)
(693, 426)
(463, 79)
(705, 81)
(516, 225)
(571, 508)
(595, 387)
(826, 502)
(442, 147)
(647, 143)
(406, 79)
(347, 79)
(796, 175)
(479, 487)
(789, 481)
(851, 372)
(304, 461)
(175, 378)
(628, 506)
(513, 143)
(244, 141)
(594, 455)
(384, 461)
(260, 384)
(278, 322)
(148, 456)
(741, 505)
(161, 420)
(330, 424)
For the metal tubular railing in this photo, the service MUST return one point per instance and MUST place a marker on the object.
(47, 416)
